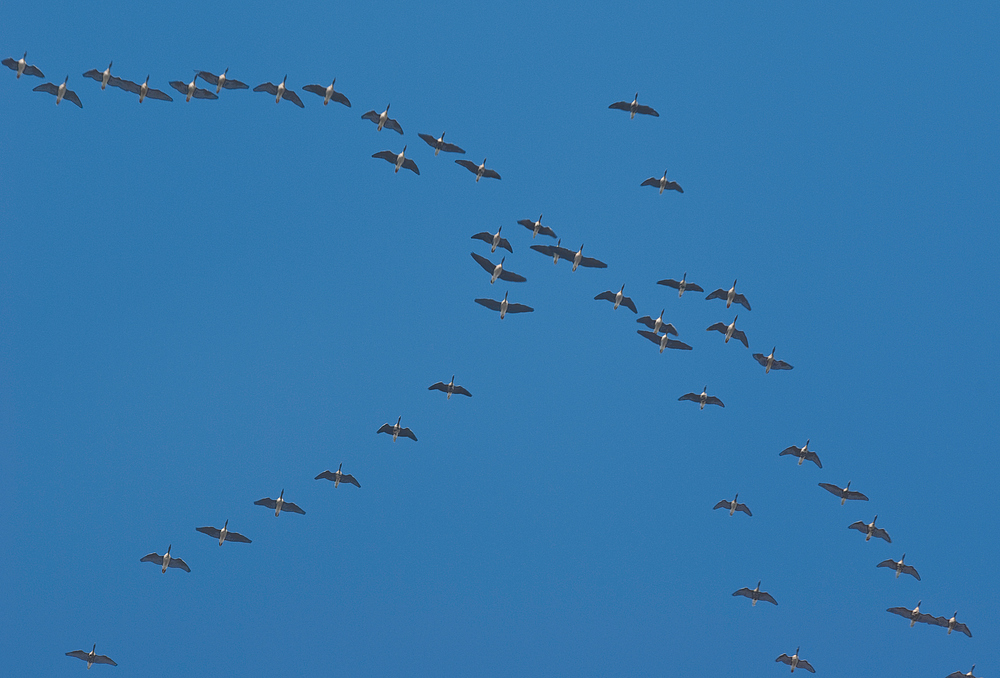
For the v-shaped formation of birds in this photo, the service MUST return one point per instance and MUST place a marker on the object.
(658, 330)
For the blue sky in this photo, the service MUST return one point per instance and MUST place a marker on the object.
(203, 304)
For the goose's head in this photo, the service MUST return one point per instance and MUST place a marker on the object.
(734, 283)
(168, 548)
(499, 229)
(404, 150)
(110, 64)
(758, 584)
(874, 519)
(636, 97)
(807, 443)
(848, 485)
(147, 80)
(918, 605)
(333, 83)
(736, 318)
(622, 289)
(66, 80)
(282, 494)
(283, 80)
(539, 218)
(505, 295)
(399, 419)
(773, 349)
(387, 108)
(340, 467)
(502, 259)
(441, 138)
(225, 525)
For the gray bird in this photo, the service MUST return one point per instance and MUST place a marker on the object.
(634, 107)
(756, 594)
(730, 296)
(768, 362)
(92, 657)
(337, 477)
(844, 493)
(60, 91)
(22, 67)
(279, 92)
(395, 430)
(914, 615)
(870, 530)
(951, 624)
(663, 184)
(618, 299)
(734, 506)
(166, 560)
(497, 270)
(795, 662)
(222, 82)
(102, 77)
(192, 90)
(556, 251)
(663, 341)
(224, 534)
(702, 398)
(680, 285)
(959, 674)
(399, 160)
(802, 453)
(729, 331)
(536, 227)
(383, 120)
(279, 505)
(143, 90)
(900, 567)
(479, 170)
(440, 144)
(658, 325)
(494, 240)
(328, 93)
(504, 306)
(449, 388)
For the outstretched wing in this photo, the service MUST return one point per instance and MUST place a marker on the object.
(210, 531)
(266, 501)
(673, 186)
(646, 110)
(857, 496)
(629, 304)
(510, 276)
(268, 87)
(621, 106)
(963, 628)
(472, 167)
(451, 148)
(124, 84)
(293, 97)
(518, 308)
(151, 558)
(745, 592)
(487, 265)
(492, 304)
(385, 428)
(200, 93)
(237, 537)
(157, 94)
(741, 336)
(348, 478)
(293, 508)
(316, 89)
(177, 562)
(393, 125)
(761, 358)
(438, 386)
(407, 433)
(652, 181)
(693, 397)
(764, 595)
(210, 78)
(743, 507)
(655, 338)
(712, 400)
(718, 294)
(327, 475)
(428, 139)
(803, 664)
(47, 87)
(670, 282)
(79, 654)
(910, 570)
(814, 458)
(860, 526)
(388, 156)
(739, 298)
(93, 74)
(371, 115)
(901, 611)
(717, 327)
(881, 534)
(606, 296)
(590, 262)
(780, 365)
(233, 84)
(179, 86)
(340, 99)
(693, 287)
(790, 450)
(832, 489)
(889, 563)
(12, 65)
(410, 165)
(725, 504)
(461, 390)
(490, 174)
(784, 659)
(673, 343)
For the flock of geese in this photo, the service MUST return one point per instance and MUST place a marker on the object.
(658, 330)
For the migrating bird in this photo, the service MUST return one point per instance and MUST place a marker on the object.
(192, 90)
(795, 662)
(730, 331)
(681, 285)
(702, 398)
(497, 270)
(662, 183)
(100, 76)
(733, 507)
(221, 81)
(504, 306)
(634, 107)
(959, 674)
(844, 493)
(586, 262)
(143, 90)
(61, 92)
(439, 144)
(328, 93)
(224, 534)
(494, 240)
(870, 530)
(22, 67)
(92, 657)
(768, 362)
(664, 341)
(658, 324)
(449, 388)
(166, 560)
(756, 594)
(479, 170)
(900, 567)
(536, 227)
(730, 296)
(280, 92)
(382, 120)
(951, 624)
(399, 160)
(618, 299)
(555, 251)
(914, 615)
(338, 477)
(279, 505)
(802, 453)
(396, 430)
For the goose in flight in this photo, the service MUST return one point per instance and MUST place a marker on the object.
(618, 299)
(795, 662)
(396, 430)
(91, 657)
(222, 81)
(802, 453)
(328, 93)
(279, 505)
(844, 493)
(439, 144)
(399, 160)
(338, 477)
(494, 240)
(730, 331)
(663, 341)
(555, 251)
(224, 534)
(663, 184)
(658, 324)
(702, 398)
(870, 530)
(756, 594)
(680, 285)
(143, 90)
(951, 624)
(166, 560)
(100, 76)
(497, 270)
(479, 170)
(22, 67)
(449, 388)
(914, 615)
(586, 262)
(382, 120)
(504, 306)
(536, 227)
(61, 92)
(733, 507)
(730, 296)
(900, 567)
(280, 92)
(192, 90)
(769, 362)
(634, 107)
(959, 674)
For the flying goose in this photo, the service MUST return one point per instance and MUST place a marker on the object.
(662, 183)
(733, 507)
(396, 430)
(587, 262)
(555, 251)
(100, 76)
(951, 624)
(730, 296)
(328, 93)
(802, 453)
(658, 324)
(92, 657)
(900, 567)
(730, 331)
(663, 341)
(844, 493)
(702, 398)
(536, 227)
(914, 615)
(634, 107)
(280, 92)
(618, 299)
(22, 67)
(479, 170)
(795, 662)
(870, 530)
(959, 674)
(439, 144)
(756, 594)
(382, 120)
(494, 240)
(497, 270)
(222, 81)
(61, 92)
(166, 560)
(768, 362)
(224, 534)
(338, 477)
(504, 306)
(398, 159)
(449, 388)
(681, 285)
(279, 505)
(192, 90)
(143, 90)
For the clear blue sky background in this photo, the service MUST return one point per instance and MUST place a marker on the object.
(204, 303)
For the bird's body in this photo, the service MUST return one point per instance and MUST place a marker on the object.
(398, 159)
(279, 92)
(900, 567)
(92, 657)
(951, 624)
(279, 505)
(658, 325)
(221, 81)
(536, 227)
(395, 430)
(634, 107)
(870, 530)
(702, 398)
(769, 362)
(22, 67)
(224, 534)
(914, 615)
(383, 120)
(328, 93)
(479, 170)
(755, 594)
(680, 285)
(795, 662)
(497, 271)
(730, 296)
(338, 477)
(166, 560)
(449, 388)
(60, 91)
(663, 184)
(494, 240)
(586, 262)
(191, 89)
(439, 144)
(504, 306)
(733, 507)
(844, 493)
(730, 331)
(663, 341)
(143, 90)
(618, 299)
(802, 453)
(102, 77)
